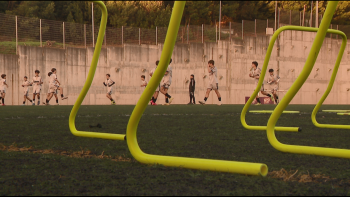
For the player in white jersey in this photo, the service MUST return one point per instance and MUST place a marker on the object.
(255, 73)
(156, 93)
(273, 82)
(165, 84)
(36, 86)
(54, 85)
(213, 82)
(49, 91)
(3, 86)
(143, 81)
(109, 83)
(25, 86)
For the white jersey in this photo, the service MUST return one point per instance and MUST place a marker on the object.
(144, 83)
(53, 79)
(257, 72)
(26, 86)
(2, 84)
(213, 76)
(152, 71)
(273, 84)
(168, 77)
(36, 82)
(109, 83)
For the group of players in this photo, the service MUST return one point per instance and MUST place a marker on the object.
(36, 83)
(163, 87)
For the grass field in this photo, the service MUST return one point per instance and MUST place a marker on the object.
(39, 155)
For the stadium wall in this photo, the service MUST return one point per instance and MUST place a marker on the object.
(232, 59)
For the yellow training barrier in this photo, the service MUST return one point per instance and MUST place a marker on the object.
(315, 49)
(88, 83)
(270, 112)
(344, 114)
(336, 111)
(329, 88)
(191, 163)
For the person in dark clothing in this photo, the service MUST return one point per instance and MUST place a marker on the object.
(192, 87)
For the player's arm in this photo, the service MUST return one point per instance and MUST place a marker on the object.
(111, 84)
(209, 69)
(257, 76)
(5, 84)
(41, 82)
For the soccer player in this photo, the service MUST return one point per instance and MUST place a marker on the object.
(54, 86)
(109, 83)
(256, 75)
(49, 92)
(36, 86)
(165, 84)
(3, 84)
(273, 81)
(25, 86)
(143, 81)
(192, 87)
(156, 93)
(213, 82)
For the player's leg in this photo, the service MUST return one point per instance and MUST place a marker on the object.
(164, 90)
(38, 96)
(34, 94)
(56, 98)
(206, 96)
(0, 96)
(108, 95)
(61, 92)
(216, 89)
(274, 93)
(190, 98)
(3, 97)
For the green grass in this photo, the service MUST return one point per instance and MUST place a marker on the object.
(210, 131)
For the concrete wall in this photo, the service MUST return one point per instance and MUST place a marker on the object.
(232, 59)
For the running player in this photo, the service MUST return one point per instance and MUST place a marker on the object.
(165, 84)
(54, 86)
(49, 92)
(213, 82)
(36, 86)
(156, 93)
(25, 86)
(3, 84)
(143, 81)
(273, 81)
(256, 72)
(109, 83)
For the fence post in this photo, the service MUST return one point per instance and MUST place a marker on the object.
(93, 31)
(63, 37)
(255, 28)
(122, 35)
(230, 32)
(41, 43)
(279, 14)
(337, 29)
(331, 34)
(16, 36)
(188, 33)
(202, 33)
(85, 35)
(216, 33)
(242, 29)
(139, 36)
(304, 15)
(105, 38)
(300, 19)
(156, 35)
(290, 17)
(267, 23)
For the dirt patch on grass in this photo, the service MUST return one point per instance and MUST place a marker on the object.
(301, 178)
(73, 154)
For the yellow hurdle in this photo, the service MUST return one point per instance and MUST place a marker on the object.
(88, 83)
(315, 49)
(270, 112)
(191, 163)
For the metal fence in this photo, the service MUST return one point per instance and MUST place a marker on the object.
(18, 30)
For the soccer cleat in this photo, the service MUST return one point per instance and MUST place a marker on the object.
(258, 104)
(23, 104)
(166, 104)
(33, 103)
(201, 102)
(57, 104)
(171, 100)
(189, 103)
(219, 103)
(272, 98)
(3, 104)
(64, 97)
